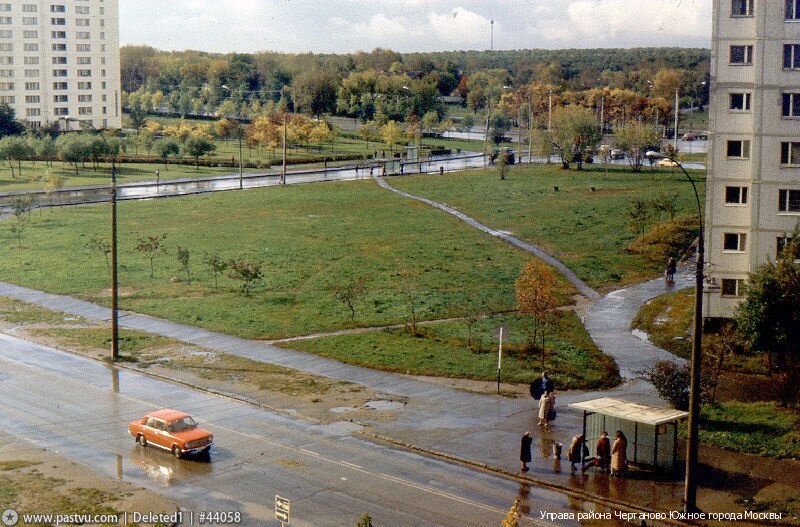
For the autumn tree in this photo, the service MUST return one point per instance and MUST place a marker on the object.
(182, 255)
(197, 147)
(216, 264)
(536, 297)
(100, 245)
(392, 134)
(350, 292)
(246, 271)
(166, 147)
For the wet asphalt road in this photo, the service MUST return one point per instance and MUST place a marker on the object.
(80, 408)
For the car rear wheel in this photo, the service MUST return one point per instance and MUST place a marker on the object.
(176, 451)
(141, 440)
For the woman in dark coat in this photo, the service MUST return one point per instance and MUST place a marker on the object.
(603, 449)
(525, 451)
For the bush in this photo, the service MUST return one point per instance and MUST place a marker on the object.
(671, 381)
(665, 240)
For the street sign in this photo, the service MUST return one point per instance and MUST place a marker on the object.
(282, 508)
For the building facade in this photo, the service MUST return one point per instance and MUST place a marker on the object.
(753, 189)
(60, 59)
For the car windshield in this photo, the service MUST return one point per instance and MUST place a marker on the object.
(180, 425)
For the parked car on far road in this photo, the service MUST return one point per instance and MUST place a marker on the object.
(667, 163)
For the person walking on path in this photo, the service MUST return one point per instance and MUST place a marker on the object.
(603, 450)
(619, 457)
(669, 271)
(547, 405)
(525, 451)
(578, 451)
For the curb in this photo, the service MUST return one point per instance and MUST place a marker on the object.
(507, 474)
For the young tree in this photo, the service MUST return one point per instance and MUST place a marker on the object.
(767, 319)
(21, 208)
(501, 165)
(182, 254)
(165, 148)
(150, 247)
(74, 148)
(15, 149)
(536, 297)
(392, 134)
(216, 265)
(575, 134)
(365, 521)
(248, 272)
(197, 147)
(635, 139)
(99, 245)
(350, 293)
(639, 214)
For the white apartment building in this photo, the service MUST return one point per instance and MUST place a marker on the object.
(753, 190)
(60, 58)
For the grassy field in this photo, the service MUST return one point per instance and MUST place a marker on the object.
(588, 230)
(310, 240)
(441, 350)
(667, 320)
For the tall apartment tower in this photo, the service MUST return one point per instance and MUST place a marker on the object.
(753, 189)
(60, 58)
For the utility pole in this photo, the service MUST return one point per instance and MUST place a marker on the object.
(241, 171)
(550, 110)
(486, 132)
(114, 282)
(530, 129)
(602, 114)
(283, 169)
(491, 37)
(675, 143)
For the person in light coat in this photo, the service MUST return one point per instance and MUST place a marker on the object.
(546, 404)
(619, 456)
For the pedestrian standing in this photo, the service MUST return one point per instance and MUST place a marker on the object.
(525, 451)
(577, 452)
(669, 272)
(603, 449)
(541, 385)
(619, 456)
(546, 408)
(158, 176)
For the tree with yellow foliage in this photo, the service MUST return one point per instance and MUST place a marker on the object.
(536, 297)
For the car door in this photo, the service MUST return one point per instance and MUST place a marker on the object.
(149, 430)
(161, 435)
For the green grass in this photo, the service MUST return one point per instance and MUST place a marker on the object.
(589, 231)
(309, 238)
(762, 428)
(16, 312)
(131, 341)
(441, 350)
(667, 320)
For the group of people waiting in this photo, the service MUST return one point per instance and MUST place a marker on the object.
(608, 457)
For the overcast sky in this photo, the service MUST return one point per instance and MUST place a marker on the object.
(343, 26)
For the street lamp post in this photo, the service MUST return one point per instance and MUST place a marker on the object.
(690, 487)
(114, 266)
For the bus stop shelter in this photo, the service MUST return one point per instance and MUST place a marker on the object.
(652, 432)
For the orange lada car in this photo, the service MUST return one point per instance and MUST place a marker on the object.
(171, 430)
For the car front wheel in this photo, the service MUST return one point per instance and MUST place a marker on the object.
(176, 451)
(141, 440)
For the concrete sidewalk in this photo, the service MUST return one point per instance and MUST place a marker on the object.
(479, 429)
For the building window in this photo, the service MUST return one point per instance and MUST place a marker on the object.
(29, 21)
(739, 149)
(58, 34)
(734, 241)
(58, 9)
(791, 56)
(6, 33)
(82, 22)
(6, 46)
(735, 195)
(84, 60)
(5, 7)
(5, 20)
(58, 22)
(32, 99)
(84, 110)
(84, 73)
(61, 111)
(7, 61)
(742, 8)
(60, 85)
(7, 99)
(788, 200)
(59, 60)
(30, 46)
(33, 112)
(732, 287)
(82, 35)
(791, 105)
(83, 48)
(81, 10)
(6, 86)
(84, 98)
(60, 98)
(790, 153)
(31, 73)
(32, 86)
(58, 47)
(30, 33)
(781, 244)
(792, 9)
(31, 60)
(29, 8)
(59, 73)
(84, 85)
(742, 55)
(7, 73)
